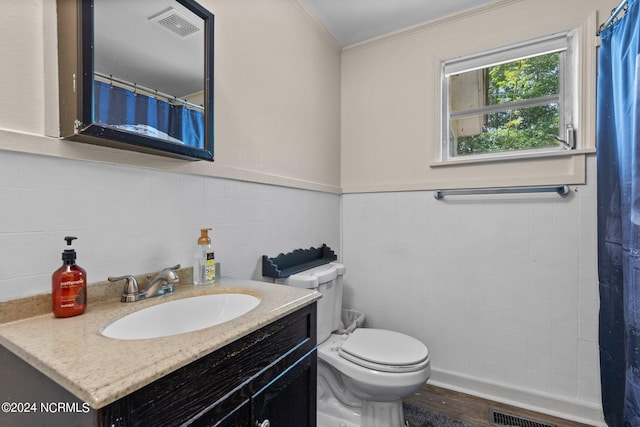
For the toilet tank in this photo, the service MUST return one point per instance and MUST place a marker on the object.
(327, 280)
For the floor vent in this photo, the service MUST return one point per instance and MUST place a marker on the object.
(502, 419)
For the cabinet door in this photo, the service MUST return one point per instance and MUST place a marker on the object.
(290, 399)
(237, 417)
(241, 417)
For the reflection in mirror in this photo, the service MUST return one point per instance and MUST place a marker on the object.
(147, 69)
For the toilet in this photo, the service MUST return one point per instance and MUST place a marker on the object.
(364, 373)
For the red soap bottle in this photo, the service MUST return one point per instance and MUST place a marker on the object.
(69, 285)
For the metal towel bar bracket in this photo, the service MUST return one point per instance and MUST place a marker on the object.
(562, 190)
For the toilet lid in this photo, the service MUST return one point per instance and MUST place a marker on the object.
(384, 350)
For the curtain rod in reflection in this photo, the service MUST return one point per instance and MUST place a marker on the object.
(622, 7)
(562, 190)
(109, 78)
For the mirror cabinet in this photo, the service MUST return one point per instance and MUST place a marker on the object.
(137, 75)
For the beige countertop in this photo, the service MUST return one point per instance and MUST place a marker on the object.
(100, 370)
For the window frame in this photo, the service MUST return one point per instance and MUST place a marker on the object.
(565, 43)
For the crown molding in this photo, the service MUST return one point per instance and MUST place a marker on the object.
(405, 32)
(301, 6)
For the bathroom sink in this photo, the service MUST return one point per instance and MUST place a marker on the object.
(181, 316)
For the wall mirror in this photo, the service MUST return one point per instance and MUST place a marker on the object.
(137, 75)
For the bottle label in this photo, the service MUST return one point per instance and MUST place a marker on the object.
(73, 299)
(210, 268)
(70, 283)
(81, 296)
(69, 296)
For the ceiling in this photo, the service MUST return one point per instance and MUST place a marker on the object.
(353, 21)
(125, 35)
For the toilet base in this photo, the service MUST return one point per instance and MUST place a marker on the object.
(382, 414)
(332, 413)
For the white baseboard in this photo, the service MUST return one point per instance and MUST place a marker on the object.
(557, 406)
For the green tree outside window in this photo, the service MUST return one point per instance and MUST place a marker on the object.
(521, 103)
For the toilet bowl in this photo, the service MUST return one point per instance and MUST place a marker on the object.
(362, 375)
(370, 386)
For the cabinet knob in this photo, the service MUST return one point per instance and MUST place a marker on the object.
(265, 423)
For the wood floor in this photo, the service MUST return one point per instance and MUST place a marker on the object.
(474, 410)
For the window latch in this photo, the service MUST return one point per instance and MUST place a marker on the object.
(569, 143)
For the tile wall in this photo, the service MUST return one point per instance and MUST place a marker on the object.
(502, 289)
(135, 220)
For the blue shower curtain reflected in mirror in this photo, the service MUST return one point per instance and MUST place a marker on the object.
(128, 111)
(619, 218)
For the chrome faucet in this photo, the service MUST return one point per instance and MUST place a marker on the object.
(161, 284)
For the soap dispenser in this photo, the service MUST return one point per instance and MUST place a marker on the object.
(204, 269)
(69, 285)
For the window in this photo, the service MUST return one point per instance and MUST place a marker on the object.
(510, 102)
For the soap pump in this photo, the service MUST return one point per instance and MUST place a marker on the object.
(204, 269)
(69, 285)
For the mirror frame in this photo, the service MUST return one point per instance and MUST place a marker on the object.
(76, 58)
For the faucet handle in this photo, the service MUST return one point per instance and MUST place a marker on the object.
(175, 267)
(130, 291)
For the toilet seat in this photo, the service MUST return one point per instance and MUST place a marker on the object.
(384, 350)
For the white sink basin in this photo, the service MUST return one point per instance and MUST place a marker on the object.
(181, 316)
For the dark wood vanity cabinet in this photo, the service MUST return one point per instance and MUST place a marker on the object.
(269, 374)
(283, 402)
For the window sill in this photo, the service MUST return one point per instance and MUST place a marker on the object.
(512, 157)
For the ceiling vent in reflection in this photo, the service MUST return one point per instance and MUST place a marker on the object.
(176, 22)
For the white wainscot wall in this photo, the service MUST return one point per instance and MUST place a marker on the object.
(502, 289)
(132, 220)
